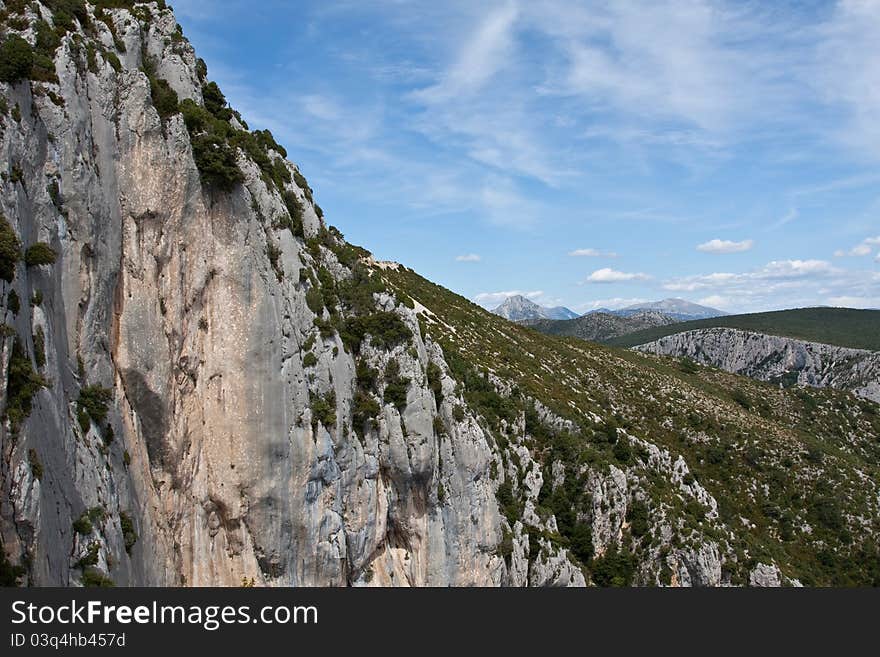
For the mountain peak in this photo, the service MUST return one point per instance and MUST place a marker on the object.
(674, 307)
(517, 308)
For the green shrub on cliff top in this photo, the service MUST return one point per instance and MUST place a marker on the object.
(16, 59)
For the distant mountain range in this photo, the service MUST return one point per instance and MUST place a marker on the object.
(517, 308)
(676, 308)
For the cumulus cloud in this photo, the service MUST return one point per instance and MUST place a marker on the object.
(782, 284)
(592, 253)
(492, 299)
(715, 301)
(725, 246)
(612, 304)
(608, 275)
(772, 273)
(468, 257)
(863, 248)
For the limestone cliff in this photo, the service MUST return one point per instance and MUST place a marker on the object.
(777, 359)
(188, 304)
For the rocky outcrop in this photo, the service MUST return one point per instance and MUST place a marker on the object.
(777, 359)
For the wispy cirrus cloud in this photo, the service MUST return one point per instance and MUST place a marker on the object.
(579, 120)
(468, 257)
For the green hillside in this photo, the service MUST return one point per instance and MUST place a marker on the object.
(792, 462)
(844, 327)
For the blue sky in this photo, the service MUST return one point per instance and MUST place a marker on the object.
(586, 154)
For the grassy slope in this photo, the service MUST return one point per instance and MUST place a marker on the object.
(780, 458)
(845, 327)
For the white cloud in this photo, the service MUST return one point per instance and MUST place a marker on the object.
(612, 304)
(469, 257)
(484, 53)
(863, 248)
(847, 70)
(855, 302)
(725, 246)
(771, 273)
(787, 218)
(592, 253)
(608, 275)
(715, 301)
(782, 284)
(492, 299)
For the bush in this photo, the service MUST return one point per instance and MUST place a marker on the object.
(35, 463)
(508, 504)
(581, 542)
(356, 293)
(615, 568)
(94, 578)
(396, 386)
(164, 97)
(300, 181)
(315, 300)
(365, 411)
(9, 573)
(622, 451)
(688, 366)
(324, 410)
(91, 557)
(386, 330)
(213, 155)
(295, 210)
(741, 398)
(216, 161)
(10, 250)
(83, 525)
(128, 533)
(273, 252)
(39, 254)
(22, 385)
(366, 376)
(16, 59)
(310, 360)
(39, 338)
(215, 101)
(47, 39)
(94, 401)
(637, 516)
(435, 380)
(13, 303)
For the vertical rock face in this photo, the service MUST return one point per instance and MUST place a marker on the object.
(188, 304)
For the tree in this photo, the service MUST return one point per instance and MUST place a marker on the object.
(16, 59)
